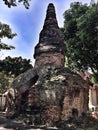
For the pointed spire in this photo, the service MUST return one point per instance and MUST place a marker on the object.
(50, 16)
(51, 38)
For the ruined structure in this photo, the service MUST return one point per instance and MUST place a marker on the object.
(51, 48)
(49, 91)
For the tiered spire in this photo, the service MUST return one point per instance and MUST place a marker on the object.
(51, 38)
(50, 17)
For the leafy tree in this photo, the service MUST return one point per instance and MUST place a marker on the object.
(81, 36)
(5, 31)
(14, 3)
(5, 81)
(14, 66)
(10, 67)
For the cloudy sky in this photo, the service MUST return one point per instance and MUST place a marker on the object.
(28, 24)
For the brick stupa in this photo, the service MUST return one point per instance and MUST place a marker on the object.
(50, 91)
(51, 48)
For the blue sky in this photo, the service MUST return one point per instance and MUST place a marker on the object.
(28, 24)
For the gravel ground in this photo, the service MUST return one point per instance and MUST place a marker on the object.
(8, 124)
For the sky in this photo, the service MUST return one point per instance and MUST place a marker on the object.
(28, 24)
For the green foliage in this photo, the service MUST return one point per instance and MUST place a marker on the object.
(5, 81)
(81, 36)
(13, 3)
(5, 31)
(14, 66)
(94, 78)
(10, 68)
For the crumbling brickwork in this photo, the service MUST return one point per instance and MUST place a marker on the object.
(54, 92)
(51, 48)
(54, 59)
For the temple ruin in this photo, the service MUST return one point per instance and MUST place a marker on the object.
(51, 92)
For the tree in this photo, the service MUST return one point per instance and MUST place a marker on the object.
(10, 68)
(13, 3)
(81, 36)
(5, 31)
(5, 81)
(14, 66)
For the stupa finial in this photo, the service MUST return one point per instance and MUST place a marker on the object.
(50, 16)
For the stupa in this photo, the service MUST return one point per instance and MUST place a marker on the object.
(51, 91)
(51, 48)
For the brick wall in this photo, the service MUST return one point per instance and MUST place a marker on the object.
(54, 59)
